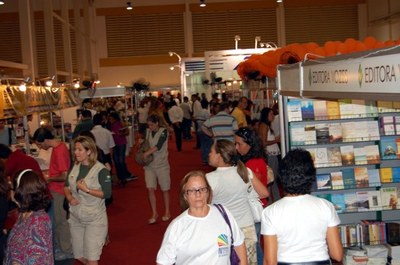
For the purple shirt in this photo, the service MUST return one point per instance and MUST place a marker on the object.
(116, 132)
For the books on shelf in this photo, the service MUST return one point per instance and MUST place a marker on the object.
(362, 201)
(360, 156)
(320, 112)
(374, 177)
(373, 131)
(334, 156)
(349, 133)
(337, 200)
(350, 199)
(371, 108)
(345, 108)
(333, 110)
(387, 125)
(389, 197)
(335, 133)
(374, 200)
(307, 110)
(385, 106)
(294, 110)
(297, 135)
(359, 110)
(393, 233)
(323, 182)
(361, 177)
(349, 180)
(386, 174)
(321, 157)
(347, 153)
(310, 135)
(337, 180)
(388, 148)
(372, 153)
(396, 174)
(322, 133)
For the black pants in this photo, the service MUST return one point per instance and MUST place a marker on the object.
(178, 135)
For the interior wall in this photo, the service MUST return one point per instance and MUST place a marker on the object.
(384, 19)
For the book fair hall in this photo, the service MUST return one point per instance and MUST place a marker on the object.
(260, 132)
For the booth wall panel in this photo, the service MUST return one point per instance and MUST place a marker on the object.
(10, 41)
(321, 23)
(40, 41)
(216, 30)
(145, 34)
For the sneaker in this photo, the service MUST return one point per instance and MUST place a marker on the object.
(131, 177)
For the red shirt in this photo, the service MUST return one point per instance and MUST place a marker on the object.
(18, 161)
(59, 163)
(259, 168)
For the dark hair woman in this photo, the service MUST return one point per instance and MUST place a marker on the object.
(300, 228)
(30, 241)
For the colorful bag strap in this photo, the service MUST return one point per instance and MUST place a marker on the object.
(223, 213)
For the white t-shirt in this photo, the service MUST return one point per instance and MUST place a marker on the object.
(300, 224)
(230, 191)
(199, 240)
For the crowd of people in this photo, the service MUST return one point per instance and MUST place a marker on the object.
(65, 205)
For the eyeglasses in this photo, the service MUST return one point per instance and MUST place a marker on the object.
(201, 190)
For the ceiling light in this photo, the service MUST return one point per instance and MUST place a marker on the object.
(279, 1)
(202, 3)
(129, 6)
(1, 2)
(22, 87)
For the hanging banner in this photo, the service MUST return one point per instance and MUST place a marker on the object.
(372, 72)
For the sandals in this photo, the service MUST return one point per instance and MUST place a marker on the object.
(165, 218)
(153, 220)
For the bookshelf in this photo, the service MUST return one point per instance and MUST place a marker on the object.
(355, 145)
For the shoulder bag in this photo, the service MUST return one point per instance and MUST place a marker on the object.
(143, 147)
(255, 204)
(234, 258)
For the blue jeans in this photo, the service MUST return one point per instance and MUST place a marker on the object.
(120, 163)
(205, 146)
(260, 253)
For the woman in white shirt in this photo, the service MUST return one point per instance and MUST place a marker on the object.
(200, 234)
(230, 183)
(300, 228)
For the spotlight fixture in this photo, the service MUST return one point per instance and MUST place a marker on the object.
(279, 1)
(1, 2)
(202, 3)
(237, 39)
(257, 39)
(129, 6)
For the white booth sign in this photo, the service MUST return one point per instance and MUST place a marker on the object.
(375, 74)
(289, 79)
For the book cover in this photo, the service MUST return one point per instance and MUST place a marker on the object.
(349, 133)
(312, 152)
(323, 182)
(335, 133)
(396, 106)
(345, 108)
(396, 174)
(398, 147)
(325, 196)
(361, 177)
(337, 200)
(307, 110)
(371, 109)
(297, 135)
(393, 233)
(397, 124)
(350, 199)
(385, 106)
(294, 110)
(321, 157)
(362, 201)
(389, 197)
(374, 200)
(348, 178)
(347, 153)
(388, 148)
(373, 131)
(333, 110)
(359, 109)
(320, 112)
(374, 178)
(334, 156)
(386, 174)
(310, 135)
(337, 180)
(372, 152)
(361, 130)
(322, 133)
(360, 156)
(387, 125)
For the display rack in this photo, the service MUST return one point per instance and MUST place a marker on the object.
(345, 110)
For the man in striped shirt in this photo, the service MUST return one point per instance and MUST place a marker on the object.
(222, 125)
